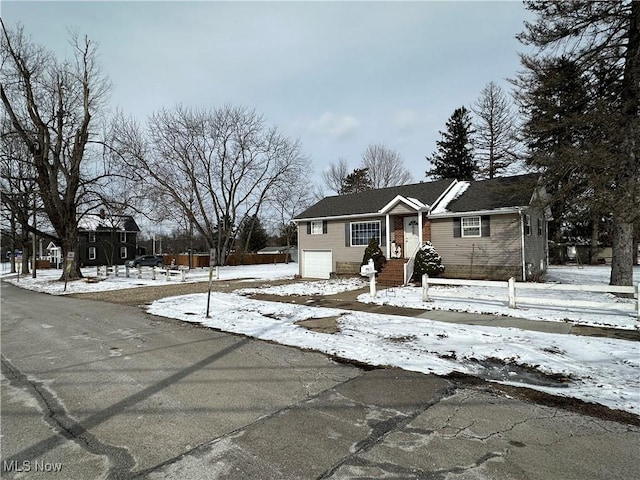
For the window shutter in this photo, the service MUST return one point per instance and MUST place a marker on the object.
(383, 232)
(457, 227)
(486, 226)
(324, 226)
(308, 228)
(347, 235)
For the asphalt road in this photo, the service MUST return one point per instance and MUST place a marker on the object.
(97, 390)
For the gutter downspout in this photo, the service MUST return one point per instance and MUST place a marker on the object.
(524, 267)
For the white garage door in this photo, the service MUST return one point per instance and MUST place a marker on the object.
(317, 263)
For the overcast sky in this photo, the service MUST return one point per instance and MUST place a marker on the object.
(338, 76)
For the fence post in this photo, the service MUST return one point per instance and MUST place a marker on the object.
(126, 271)
(153, 273)
(97, 270)
(115, 270)
(638, 300)
(166, 271)
(182, 275)
(425, 288)
(512, 292)
(139, 271)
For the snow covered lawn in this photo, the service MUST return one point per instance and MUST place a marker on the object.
(581, 308)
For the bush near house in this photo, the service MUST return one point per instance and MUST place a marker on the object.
(374, 252)
(427, 261)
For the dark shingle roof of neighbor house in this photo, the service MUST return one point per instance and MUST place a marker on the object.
(497, 193)
(118, 222)
(371, 201)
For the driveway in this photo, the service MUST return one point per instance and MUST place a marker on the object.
(92, 389)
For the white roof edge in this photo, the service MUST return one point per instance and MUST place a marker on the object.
(338, 217)
(442, 195)
(497, 211)
(412, 202)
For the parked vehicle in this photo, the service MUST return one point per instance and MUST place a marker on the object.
(147, 261)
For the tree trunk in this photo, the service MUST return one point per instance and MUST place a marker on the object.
(595, 234)
(622, 255)
(70, 243)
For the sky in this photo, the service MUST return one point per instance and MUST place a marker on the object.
(338, 76)
(594, 369)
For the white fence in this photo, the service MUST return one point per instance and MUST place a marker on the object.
(511, 288)
(140, 272)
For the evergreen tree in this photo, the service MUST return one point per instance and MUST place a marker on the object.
(495, 138)
(454, 157)
(603, 39)
(252, 235)
(356, 182)
(427, 261)
(374, 252)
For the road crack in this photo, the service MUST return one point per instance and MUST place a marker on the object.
(54, 413)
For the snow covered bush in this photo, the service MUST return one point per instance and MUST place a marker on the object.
(427, 261)
(374, 251)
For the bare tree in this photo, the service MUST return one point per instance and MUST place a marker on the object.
(214, 168)
(385, 167)
(335, 175)
(495, 137)
(52, 105)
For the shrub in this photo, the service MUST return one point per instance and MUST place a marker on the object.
(374, 251)
(427, 261)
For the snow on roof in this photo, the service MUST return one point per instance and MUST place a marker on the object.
(454, 193)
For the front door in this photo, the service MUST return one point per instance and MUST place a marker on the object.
(411, 236)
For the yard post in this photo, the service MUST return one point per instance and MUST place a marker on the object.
(166, 271)
(139, 271)
(126, 271)
(153, 273)
(115, 270)
(638, 301)
(425, 288)
(512, 292)
(182, 274)
(97, 270)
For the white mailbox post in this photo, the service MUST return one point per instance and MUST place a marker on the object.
(369, 270)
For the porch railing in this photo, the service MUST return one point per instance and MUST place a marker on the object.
(408, 267)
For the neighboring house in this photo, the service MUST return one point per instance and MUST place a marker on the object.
(491, 229)
(107, 239)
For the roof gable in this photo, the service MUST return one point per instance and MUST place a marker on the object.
(494, 194)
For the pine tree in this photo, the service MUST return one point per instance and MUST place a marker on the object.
(374, 252)
(427, 261)
(454, 157)
(356, 182)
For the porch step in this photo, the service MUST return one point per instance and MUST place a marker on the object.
(392, 274)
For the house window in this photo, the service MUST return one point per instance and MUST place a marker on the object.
(471, 227)
(123, 237)
(362, 232)
(92, 253)
(316, 227)
(123, 252)
(92, 237)
(527, 224)
(539, 227)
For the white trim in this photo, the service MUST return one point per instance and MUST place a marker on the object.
(410, 202)
(442, 196)
(479, 226)
(316, 222)
(475, 213)
(338, 217)
(367, 242)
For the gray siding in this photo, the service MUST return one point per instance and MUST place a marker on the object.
(494, 256)
(335, 241)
